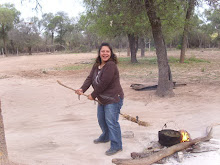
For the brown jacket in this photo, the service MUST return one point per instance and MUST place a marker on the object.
(106, 83)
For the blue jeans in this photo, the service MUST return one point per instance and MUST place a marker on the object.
(108, 116)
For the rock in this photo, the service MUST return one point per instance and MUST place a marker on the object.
(128, 134)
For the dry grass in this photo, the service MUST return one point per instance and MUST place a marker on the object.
(202, 68)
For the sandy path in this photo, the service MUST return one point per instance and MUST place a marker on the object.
(46, 124)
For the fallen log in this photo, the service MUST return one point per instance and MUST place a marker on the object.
(143, 87)
(149, 151)
(162, 153)
(136, 155)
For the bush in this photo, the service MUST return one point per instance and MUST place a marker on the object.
(179, 46)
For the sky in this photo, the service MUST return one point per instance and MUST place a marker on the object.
(71, 7)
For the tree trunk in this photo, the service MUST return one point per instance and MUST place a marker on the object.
(4, 40)
(191, 4)
(3, 146)
(5, 48)
(165, 84)
(128, 50)
(142, 45)
(52, 42)
(29, 50)
(2, 52)
(13, 47)
(218, 41)
(133, 44)
(149, 45)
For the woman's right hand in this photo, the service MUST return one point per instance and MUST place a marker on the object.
(79, 91)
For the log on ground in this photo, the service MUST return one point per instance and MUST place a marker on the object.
(162, 153)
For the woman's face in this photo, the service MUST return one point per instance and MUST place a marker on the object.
(105, 54)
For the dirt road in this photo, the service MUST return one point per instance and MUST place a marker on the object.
(46, 124)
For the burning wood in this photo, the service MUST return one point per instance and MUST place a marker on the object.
(185, 137)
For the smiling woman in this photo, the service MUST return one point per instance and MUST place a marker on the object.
(36, 8)
(104, 78)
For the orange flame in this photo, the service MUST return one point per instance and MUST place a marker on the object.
(185, 136)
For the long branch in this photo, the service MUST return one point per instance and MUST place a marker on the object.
(75, 90)
(128, 117)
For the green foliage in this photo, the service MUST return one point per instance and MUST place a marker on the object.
(111, 21)
(141, 61)
(83, 48)
(146, 61)
(8, 16)
(196, 60)
(179, 47)
(153, 60)
(74, 67)
(113, 18)
(214, 17)
(188, 60)
(172, 14)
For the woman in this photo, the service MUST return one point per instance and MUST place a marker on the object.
(104, 78)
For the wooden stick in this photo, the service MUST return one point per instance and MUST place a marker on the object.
(128, 117)
(70, 88)
(75, 90)
(135, 120)
(162, 153)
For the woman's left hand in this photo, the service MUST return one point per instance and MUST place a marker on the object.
(90, 97)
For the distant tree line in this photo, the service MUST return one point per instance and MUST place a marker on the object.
(122, 23)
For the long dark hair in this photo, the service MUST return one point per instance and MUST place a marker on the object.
(113, 57)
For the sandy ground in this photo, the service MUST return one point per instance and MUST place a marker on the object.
(46, 124)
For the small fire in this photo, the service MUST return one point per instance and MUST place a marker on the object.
(185, 136)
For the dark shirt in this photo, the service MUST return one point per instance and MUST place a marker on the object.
(106, 83)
